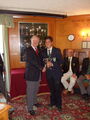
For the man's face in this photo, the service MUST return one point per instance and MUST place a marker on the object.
(48, 43)
(70, 53)
(35, 41)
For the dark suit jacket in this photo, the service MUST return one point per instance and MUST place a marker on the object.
(74, 65)
(1, 65)
(33, 65)
(85, 64)
(57, 61)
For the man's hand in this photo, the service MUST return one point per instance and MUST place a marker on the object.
(49, 64)
(44, 69)
(87, 76)
(74, 75)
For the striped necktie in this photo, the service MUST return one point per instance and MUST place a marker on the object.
(36, 49)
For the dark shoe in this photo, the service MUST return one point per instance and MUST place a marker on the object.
(72, 91)
(32, 112)
(88, 96)
(50, 105)
(38, 105)
(85, 96)
(59, 109)
(65, 92)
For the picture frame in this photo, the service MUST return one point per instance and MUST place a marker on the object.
(85, 44)
(28, 29)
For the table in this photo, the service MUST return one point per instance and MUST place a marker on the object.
(4, 112)
(18, 83)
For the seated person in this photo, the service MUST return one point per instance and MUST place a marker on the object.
(1, 65)
(2, 98)
(71, 70)
(2, 87)
(85, 74)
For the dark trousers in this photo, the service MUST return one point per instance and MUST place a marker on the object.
(55, 90)
(2, 85)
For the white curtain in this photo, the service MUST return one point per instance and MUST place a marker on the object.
(7, 22)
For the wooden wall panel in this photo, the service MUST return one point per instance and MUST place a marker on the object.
(14, 38)
(61, 36)
(71, 25)
(59, 29)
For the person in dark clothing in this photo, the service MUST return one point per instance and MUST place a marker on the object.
(2, 84)
(53, 61)
(32, 74)
(1, 65)
(85, 74)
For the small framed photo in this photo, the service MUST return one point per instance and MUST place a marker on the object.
(88, 44)
(85, 44)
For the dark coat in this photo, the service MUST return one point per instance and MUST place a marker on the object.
(85, 64)
(74, 65)
(33, 65)
(2, 83)
(1, 65)
(57, 61)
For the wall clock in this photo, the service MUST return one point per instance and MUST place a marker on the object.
(71, 37)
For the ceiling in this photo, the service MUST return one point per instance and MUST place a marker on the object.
(69, 7)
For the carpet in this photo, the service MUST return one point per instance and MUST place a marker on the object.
(73, 108)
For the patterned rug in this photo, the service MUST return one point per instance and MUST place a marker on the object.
(74, 108)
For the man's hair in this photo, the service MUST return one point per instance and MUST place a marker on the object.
(35, 36)
(71, 49)
(49, 37)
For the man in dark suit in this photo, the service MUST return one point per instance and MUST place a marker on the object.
(2, 85)
(1, 65)
(85, 74)
(53, 60)
(71, 71)
(32, 74)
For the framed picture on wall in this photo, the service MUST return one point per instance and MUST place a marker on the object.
(88, 44)
(26, 30)
(85, 44)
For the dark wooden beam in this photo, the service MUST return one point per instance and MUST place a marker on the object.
(31, 13)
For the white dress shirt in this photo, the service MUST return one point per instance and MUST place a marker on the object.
(49, 51)
(34, 47)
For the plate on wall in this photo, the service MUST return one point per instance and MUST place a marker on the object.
(71, 37)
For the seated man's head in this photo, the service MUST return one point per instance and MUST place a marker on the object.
(70, 52)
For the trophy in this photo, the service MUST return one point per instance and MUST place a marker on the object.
(48, 62)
